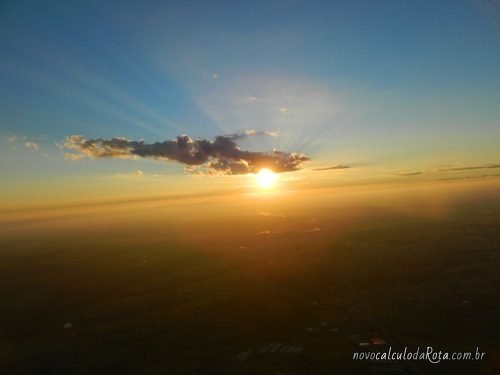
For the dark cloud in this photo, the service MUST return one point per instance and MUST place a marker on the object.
(412, 173)
(469, 177)
(221, 155)
(483, 166)
(450, 169)
(333, 167)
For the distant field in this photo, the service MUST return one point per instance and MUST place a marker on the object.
(131, 293)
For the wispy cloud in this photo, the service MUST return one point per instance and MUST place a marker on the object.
(31, 146)
(219, 156)
(16, 141)
(469, 177)
(11, 138)
(449, 169)
(412, 173)
(333, 167)
(71, 156)
(137, 173)
(466, 168)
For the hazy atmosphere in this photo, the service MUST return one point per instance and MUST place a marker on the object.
(268, 187)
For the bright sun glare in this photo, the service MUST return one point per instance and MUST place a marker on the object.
(266, 178)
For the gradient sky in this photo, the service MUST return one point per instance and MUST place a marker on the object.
(385, 87)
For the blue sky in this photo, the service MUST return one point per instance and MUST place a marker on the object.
(343, 81)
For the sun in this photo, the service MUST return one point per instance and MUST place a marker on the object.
(266, 178)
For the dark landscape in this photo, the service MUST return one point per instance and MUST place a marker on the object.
(289, 293)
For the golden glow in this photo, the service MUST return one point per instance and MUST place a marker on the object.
(266, 178)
